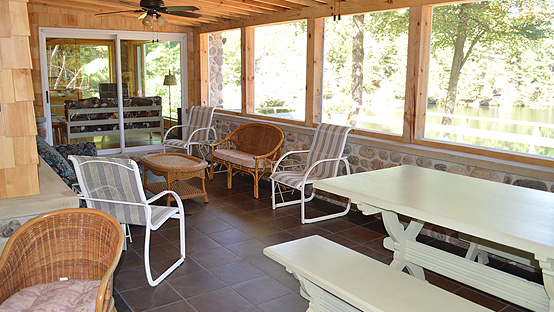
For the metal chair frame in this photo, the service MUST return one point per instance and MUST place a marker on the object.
(145, 203)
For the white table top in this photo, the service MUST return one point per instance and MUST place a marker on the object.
(510, 215)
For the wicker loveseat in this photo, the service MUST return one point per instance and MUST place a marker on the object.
(250, 148)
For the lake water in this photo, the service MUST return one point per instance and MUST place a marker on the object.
(503, 116)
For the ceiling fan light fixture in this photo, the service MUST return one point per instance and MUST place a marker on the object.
(162, 21)
(148, 21)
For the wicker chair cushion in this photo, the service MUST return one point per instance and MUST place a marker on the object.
(72, 295)
(238, 158)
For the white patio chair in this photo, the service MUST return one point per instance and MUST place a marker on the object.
(323, 161)
(196, 131)
(114, 186)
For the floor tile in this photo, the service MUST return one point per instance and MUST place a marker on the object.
(146, 298)
(236, 272)
(199, 243)
(287, 279)
(360, 234)
(195, 284)
(264, 263)
(261, 289)
(292, 302)
(179, 306)
(220, 300)
(480, 298)
(229, 237)
(247, 248)
(131, 278)
(277, 238)
(130, 259)
(187, 267)
(308, 230)
(214, 257)
(285, 223)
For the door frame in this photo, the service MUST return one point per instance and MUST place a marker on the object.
(117, 36)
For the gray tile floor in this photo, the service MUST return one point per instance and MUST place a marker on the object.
(225, 269)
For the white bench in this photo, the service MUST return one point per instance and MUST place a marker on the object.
(335, 278)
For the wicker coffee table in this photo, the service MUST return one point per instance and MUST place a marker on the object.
(175, 168)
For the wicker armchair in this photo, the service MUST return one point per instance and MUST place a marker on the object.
(73, 244)
(250, 148)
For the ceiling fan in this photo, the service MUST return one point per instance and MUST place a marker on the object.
(153, 8)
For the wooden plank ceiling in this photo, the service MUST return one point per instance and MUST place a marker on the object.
(212, 11)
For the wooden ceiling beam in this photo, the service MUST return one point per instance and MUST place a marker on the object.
(262, 5)
(283, 4)
(230, 5)
(347, 8)
(309, 3)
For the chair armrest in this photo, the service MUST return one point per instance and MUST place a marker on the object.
(276, 165)
(161, 194)
(112, 201)
(201, 129)
(315, 164)
(169, 130)
(214, 145)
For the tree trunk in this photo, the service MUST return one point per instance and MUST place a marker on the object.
(357, 63)
(456, 69)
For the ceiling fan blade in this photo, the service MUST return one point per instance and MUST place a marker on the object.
(181, 8)
(185, 14)
(117, 12)
(143, 15)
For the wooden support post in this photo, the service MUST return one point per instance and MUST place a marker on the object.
(202, 74)
(247, 75)
(417, 73)
(314, 70)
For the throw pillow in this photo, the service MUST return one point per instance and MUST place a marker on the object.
(53, 158)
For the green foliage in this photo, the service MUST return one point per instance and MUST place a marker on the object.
(272, 102)
(160, 57)
(231, 58)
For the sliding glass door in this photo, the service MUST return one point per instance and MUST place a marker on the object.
(80, 72)
(151, 71)
(118, 89)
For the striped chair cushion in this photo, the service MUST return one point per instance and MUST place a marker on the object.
(115, 179)
(329, 141)
(237, 157)
(176, 142)
(200, 117)
(293, 178)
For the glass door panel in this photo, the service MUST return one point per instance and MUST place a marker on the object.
(154, 97)
(82, 91)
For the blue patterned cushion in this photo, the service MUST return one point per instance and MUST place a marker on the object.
(54, 159)
(82, 149)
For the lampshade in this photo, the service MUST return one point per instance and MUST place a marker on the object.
(148, 21)
(162, 21)
(170, 80)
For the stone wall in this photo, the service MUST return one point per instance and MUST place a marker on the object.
(364, 158)
(215, 61)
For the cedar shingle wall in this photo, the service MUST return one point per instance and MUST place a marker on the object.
(18, 152)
